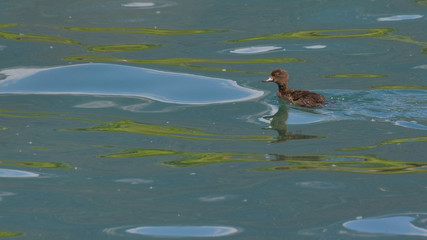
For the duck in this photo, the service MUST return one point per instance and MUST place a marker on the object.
(303, 98)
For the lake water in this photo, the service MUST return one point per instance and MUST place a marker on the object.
(148, 120)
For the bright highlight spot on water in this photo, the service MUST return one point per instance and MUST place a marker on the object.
(134, 180)
(214, 198)
(255, 49)
(112, 79)
(320, 185)
(184, 231)
(315, 47)
(399, 18)
(421, 67)
(396, 225)
(138, 4)
(10, 173)
(96, 104)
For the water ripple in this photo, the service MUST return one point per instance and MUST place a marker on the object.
(401, 107)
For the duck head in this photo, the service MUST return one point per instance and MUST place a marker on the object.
(279, 76)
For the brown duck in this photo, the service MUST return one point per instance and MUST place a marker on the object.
(298, 97)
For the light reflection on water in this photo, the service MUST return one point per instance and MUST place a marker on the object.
(400, 18)
(394, 225)
(184, 231)
(11, 173)
(110, 79)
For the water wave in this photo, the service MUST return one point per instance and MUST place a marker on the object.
(401, 107)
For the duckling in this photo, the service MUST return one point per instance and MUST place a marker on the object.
(298, 97)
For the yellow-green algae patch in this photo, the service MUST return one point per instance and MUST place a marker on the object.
(387, 142)
(356, 76)
(223, 69)
(130, 126)
(424, 2)
(342, 163)
(405, 39)
(31, 114)
(128, 153)
(320, 34)
(7, 25)
(191, 159)
(39, 148)
(10, 234)
(35, 38)
(400, 87)
(153, 31)
(357, 164)
(58, 165)
(122, 47)
(180, 61)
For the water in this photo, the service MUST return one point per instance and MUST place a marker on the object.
(149, 120)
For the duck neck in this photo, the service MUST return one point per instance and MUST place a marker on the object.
(283, 88)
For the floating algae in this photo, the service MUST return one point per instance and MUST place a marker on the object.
(10, 234)
(321, 34)
(180, 61)
(387, 142)
(321, 162)
(58, 165)
(122, 47)
(153, 31)
(35, 38)
(130, 126)
(186, 62)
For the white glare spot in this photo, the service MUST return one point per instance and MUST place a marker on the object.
(138, 4)
(315, 47)
(399, 18)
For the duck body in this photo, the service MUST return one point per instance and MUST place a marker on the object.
(298, 97)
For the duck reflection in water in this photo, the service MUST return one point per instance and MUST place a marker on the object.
(278, 123)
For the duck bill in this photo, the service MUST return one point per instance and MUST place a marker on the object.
(270, 79)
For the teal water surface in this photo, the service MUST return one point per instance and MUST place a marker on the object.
(149, 120)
